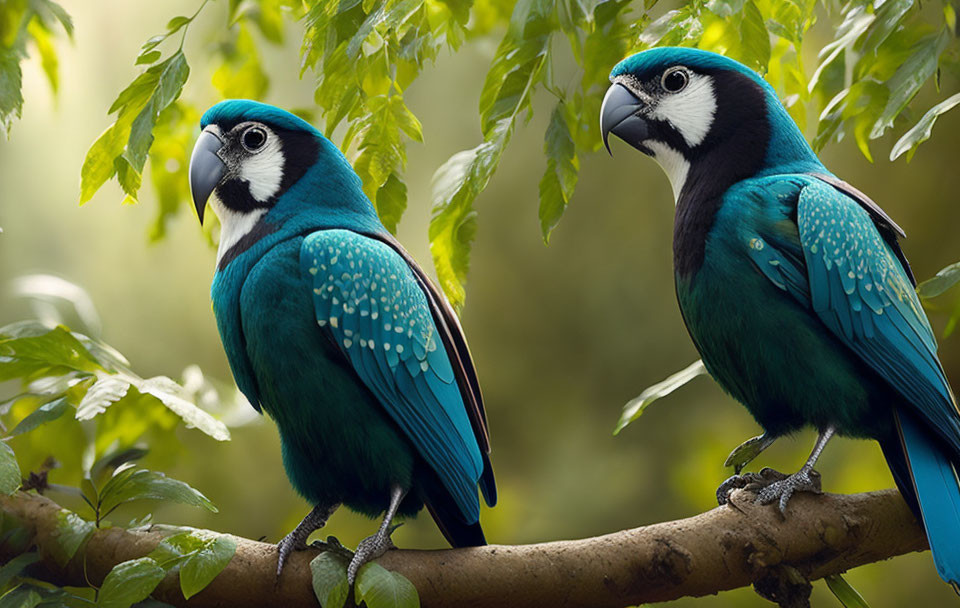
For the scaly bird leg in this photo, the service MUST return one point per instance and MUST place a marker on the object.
(297, 539)
(773, 486)
(804, 480)
(739, 458)
(374, 546)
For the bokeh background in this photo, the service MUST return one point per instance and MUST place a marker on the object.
(563, 335)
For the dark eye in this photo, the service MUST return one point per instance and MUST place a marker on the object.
(674, 80)
(253, 138)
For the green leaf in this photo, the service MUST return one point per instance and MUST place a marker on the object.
(453, 225)
(886, 19)
(106, 391)
(941, 282)
(909, 77)
(122, 149)
(382, 151)
(844, 592)
(130, 582)
(60, 14)
(241, 75)
(43, 40)
(560, 179)
(206, 562)
(56, 350)
(392, 201)
(633, 409)
(168, 392)
(127, 485)
(507, 90)
(16, 565)
(71, 532)
(754, 47)
(9, 470)
(377, 587)
(200, 555)
(329, 572)
(147, 57)
(47, 412)
(174, 25)
(11, 98)
(24, 596)
(921, 131)
(746, 452)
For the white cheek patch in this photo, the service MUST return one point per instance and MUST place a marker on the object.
(233, 225)
(690, 111)
(263, 171)
(674, 165)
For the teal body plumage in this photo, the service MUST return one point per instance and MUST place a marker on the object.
(792, 283)
(333, 331)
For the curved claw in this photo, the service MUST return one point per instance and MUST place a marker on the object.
(746, 481)
(369, 549)
(804, 480)
(285, 547)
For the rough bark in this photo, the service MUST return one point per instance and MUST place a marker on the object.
(725, 548)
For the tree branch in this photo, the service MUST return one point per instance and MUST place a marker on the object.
(725, 548)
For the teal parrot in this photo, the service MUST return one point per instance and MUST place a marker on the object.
(792, 283)
(334, 331)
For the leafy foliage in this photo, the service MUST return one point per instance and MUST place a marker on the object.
(635, 407)
(845, 593)
(25, 24)
(130, 582)
(329, 578)
(199, 555)
(367, 53)
(112, 410)
(375, 587)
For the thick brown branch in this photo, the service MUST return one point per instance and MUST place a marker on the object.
(721, 549)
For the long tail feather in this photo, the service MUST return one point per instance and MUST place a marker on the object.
(937, 487)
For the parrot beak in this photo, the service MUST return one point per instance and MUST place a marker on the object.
(618, 115)
(206, 169)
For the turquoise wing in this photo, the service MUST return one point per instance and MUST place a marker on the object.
(368, 299)
(859, 289)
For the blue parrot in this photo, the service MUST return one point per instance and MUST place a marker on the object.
(792, 283)
(333, 330)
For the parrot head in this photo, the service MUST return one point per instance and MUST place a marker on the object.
(255, 161)
(698, 112)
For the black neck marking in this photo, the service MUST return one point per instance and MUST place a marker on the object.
(260, 230)
(733, 150)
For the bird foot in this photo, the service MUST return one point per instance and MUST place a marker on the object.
(745, 481)
(290, 543)
(332, 545)
(780, 491)
(771, 485)
(297, 539)
(370, 549)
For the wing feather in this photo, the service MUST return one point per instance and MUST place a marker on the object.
(373, 305)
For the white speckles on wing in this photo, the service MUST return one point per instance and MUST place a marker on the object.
(376, 308)
(840, 237)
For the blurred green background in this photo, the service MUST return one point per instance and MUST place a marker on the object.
(563, 335)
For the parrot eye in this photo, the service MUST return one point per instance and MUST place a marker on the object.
(253, 139)
(674, 80)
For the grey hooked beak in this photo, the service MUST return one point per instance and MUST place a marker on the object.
(618, 115)
(206, 170)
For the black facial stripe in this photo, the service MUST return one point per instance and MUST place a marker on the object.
(733, 150)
